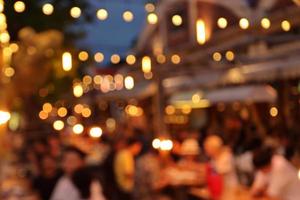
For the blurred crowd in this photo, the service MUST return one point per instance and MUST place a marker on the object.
(200, 165)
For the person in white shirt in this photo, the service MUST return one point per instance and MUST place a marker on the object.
(276, 177)
(73, 159)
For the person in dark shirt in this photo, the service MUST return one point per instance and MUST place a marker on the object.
(46, 181)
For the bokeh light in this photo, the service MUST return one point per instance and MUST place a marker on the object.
(95, 132)
(75, 12)
(152, 18)
(19, 6)
(48, 9)
(102, 14)
(58, 125)
(222, 23)
(177, 20)
(78, 129)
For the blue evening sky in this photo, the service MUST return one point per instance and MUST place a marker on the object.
(113, 35)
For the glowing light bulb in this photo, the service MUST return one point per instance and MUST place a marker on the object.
(19, 6)
(99, 57)
(177, 20)
(129, 82)
(150, 7)
(130, 59)
(58, 125)
(201, 34)
(146, 64)
(265, 23)
(75, 12)
(115, 59)
(286, 25)
(152, 18)
(222, 23)
(102, 14)
(217, 56)
(48, 9)
(47, 107)
(273, 111)
(78, 90)
(67, 61)
(83, 56)
(175, 59)
(128, 16)
(95, 132)
(156, 143)
(62, 112)
(78, 129)
(229, 55)
(244, 23)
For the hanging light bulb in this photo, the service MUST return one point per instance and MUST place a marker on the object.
(177, 20)
(67, 61)
(78, 90)
(265, 23)
(102, 14)
(19, 6)
(222, 22)
(146, 64)
(152, 18)
(48, 9)
(201, 34)
(95, 132)
(75, 12)
(130, 59)
(128, 16)
(244, 23)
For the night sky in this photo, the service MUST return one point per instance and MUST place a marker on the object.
(113, 35)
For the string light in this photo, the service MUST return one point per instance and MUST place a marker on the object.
(95, 132)
(170, 110)
(150, 7)
(62, 112)
(177, 20)
(78, 108)
(99, 57)
(229, 55)
(67, 61)
(286, 25)
(87, 80)
(98, 79)
(156, 143)
(152, 18)
(78, 129)
(115, 59)
(9, 72)
(175, 59)
(78, 90)
(47, 107)
(130, 59)
(217, 56)
(83, 56)
(129, 82)
(75, 12)
(265, 23)
(19, 6)
(146, 64)
(48, 9)
(161, 59)
(273, 111)
(4, 37)
(58, 125)
(43, 115)
(102, 14)
(201, 34)
(244, 23)
(222, 23)
(128, 16)
(196, 98)
(86, 112)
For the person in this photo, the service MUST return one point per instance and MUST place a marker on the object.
(124, 167)
(222, 162)
(44, 184)
(73, 159)
(276, 177)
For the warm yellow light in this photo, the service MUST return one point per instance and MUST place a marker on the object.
(130, 59)
(299, 169)
(166, 145)
(14, 47)
(111, 124)
(244, 23)
(78, 129)
(115, 59)
(78, 90)
(161, 59)
(95, 132)
(78, 108)
(156, 143)
(196, 98)
(1, 6)
(86, 112)
(217, 56)
(102, 14)
(98, 79)
(4, 37)
(150, 7)
(152, 18)
(43, 115)
(129, 82)
(87, 80)
(222, 22)
(148, 75)
(71, 120)
(229, 55)
(48, 9)
(170, 110)
(62, 112)
(4, 117)
(75, 12)
(83, 56)
(175, 59)
(67, 61)
(273, 111)
(99, 57)
(201, 34)
(47, 107)
(186, 109)
(146, 64)
(19, 6)
(58, 125)
(9, 72)
(177, 20)
(286, 25)
(128, 16)
(265, 23)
